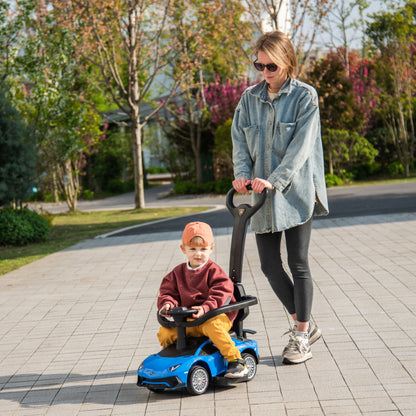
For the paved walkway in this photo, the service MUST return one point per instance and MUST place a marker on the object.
(75, 325)
(154, 197)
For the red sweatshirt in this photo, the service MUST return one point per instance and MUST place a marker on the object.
(208, 287)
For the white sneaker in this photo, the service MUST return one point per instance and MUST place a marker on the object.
(314, 333)
(297, 351)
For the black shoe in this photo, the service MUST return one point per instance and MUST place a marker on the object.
(236, 369)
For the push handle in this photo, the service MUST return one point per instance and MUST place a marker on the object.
(241, 214)
(251, 209)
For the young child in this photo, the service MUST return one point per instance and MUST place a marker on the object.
(202, 285)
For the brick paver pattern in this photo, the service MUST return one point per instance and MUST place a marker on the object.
(75, 325)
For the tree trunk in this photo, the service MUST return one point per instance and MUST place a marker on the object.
(55, 187)
(198, 156)
(198, 165)
(136, 134)
(69, 179)
(330, 163)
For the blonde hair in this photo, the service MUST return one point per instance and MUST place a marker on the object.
(280, 50)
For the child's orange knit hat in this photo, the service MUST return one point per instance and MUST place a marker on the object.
(197, 229)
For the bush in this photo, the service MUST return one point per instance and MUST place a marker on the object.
(395, 169)
(117, 186)
(157, 169)
(88, 194)
(19, 228)
(185, 188)
(222, 186)
(332, 180)
(207, 187)
(366, 170)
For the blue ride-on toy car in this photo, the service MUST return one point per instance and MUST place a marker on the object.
(193, 363)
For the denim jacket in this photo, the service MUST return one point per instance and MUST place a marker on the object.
(280, 141)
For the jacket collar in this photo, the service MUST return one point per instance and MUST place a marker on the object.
(260, 89)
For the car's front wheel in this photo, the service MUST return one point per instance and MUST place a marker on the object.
(198, 380)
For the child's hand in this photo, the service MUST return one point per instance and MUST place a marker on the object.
(199, 313)
(164, 309)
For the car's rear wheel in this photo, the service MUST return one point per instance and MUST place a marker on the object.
(251, 364)
(198, 380)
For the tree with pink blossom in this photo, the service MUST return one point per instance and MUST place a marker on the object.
(222, 99)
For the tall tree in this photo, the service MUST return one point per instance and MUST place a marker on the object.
(366, 93)
(269, 14)
(341, 115)
(210, 37)
(8, 33)
(52, 93)
(343, 27)
(17, 154)
(393, 35)
(127, 44)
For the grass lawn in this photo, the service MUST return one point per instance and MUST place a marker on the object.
(69, 229)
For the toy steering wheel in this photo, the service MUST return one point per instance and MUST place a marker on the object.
(180, 312)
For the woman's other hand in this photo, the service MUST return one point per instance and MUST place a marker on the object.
(240, 185)
(258, 185)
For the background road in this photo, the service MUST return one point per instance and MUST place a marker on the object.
(343, 202)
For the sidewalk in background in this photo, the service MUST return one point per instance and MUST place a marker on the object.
(154, 197)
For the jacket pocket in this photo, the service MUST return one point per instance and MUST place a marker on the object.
(286, 131)
(252, 134)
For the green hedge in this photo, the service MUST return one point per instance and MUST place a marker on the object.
(222, 186)
(332, 180)
(19, 228)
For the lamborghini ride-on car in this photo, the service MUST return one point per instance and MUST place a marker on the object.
(193, 363)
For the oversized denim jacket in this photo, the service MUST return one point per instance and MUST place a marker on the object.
(280, 141)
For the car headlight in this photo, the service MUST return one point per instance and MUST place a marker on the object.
(141, 366)
(174, 367)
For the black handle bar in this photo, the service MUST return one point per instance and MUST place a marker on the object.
(241, 214)
(251, 209)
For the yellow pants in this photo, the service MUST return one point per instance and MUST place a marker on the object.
(216, 329)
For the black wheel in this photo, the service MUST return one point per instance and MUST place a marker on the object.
(198, 380)
(251, 364)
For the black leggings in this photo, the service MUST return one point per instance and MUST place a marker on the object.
(296, 295)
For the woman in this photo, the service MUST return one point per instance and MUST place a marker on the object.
(277, 145)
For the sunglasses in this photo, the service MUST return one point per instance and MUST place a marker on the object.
(260, 67)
